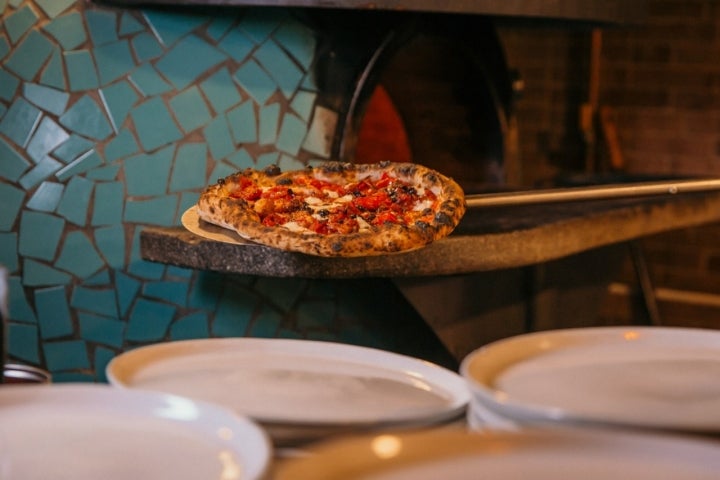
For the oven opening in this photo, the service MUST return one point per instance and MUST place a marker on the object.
(442, 100)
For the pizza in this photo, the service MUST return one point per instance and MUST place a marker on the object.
(337, 209)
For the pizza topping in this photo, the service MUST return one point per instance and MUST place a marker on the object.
(337, 208)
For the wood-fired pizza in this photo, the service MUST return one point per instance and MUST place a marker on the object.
(337, 209)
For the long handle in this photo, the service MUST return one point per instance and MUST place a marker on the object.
(574, 194)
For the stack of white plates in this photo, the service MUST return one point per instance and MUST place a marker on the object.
(641, 377)
(299, 390)
(90, 432)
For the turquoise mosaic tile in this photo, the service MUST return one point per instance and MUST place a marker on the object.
(4, 46)
(219, 140)
(154, 124)
(71, 149)
(170, 27)
(49, 99)
(18, 306)
(53, 8)
(190, 109)
(27, 57)
(19, 22)
(282, 292)
(237, 45)
(269, 120)
(122, 145)
(75, 201)
(80, 70)
(243, 124)
(13, 164)
(66, 355)
(53, 74)
(102, 330)
(118, 99)
(310, 82)
(23, 342)
(101, 26)
(68, 30)
(299, 40)
(255, 81)
(205, 292)
(218, 27)
(241, 159)
(53, 312)
(36, 274)
(40, 172)
(149, 320)
(175, 66)
(171, 292)
(155, 211)
(194, 325)
(259, 23)
(189, 168)
(148, 81)
(81, 164)
(292, 134)
(102, 278)
(100, 360)
(95, 300)
(280, 66)
(47, 136)
(303, 103)
(286, 163)
(234, 313)
(110, 241)
(108, 204)
(148, 174)
(270, 158)
(78, 255)
(9, 84)
(46, 197)
(315, 314)
(86, 118)
(72, 377)
(126, 289)
(40, 235)
(221, 170)
(129, 25)
(113, 61)
(179, 272)
(20, 120)
(220, 90)
(8, 251)
(106, 173)
(11, 199)
(266, 324)
(146, 47)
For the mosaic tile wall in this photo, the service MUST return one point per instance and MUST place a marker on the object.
(111, 120)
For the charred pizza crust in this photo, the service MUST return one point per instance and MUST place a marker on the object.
(217, 206)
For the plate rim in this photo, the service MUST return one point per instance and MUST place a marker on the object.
(93, 398)
(503, 403)
(455, 386)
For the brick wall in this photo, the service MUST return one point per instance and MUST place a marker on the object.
(661, 80)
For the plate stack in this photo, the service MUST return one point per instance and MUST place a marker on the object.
(659, 378)
(299, 391)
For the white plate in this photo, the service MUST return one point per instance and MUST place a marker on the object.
(90, 432)
(297, 382)
(533, 455)
(639, 376)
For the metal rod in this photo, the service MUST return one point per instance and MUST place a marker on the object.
(574, 194)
